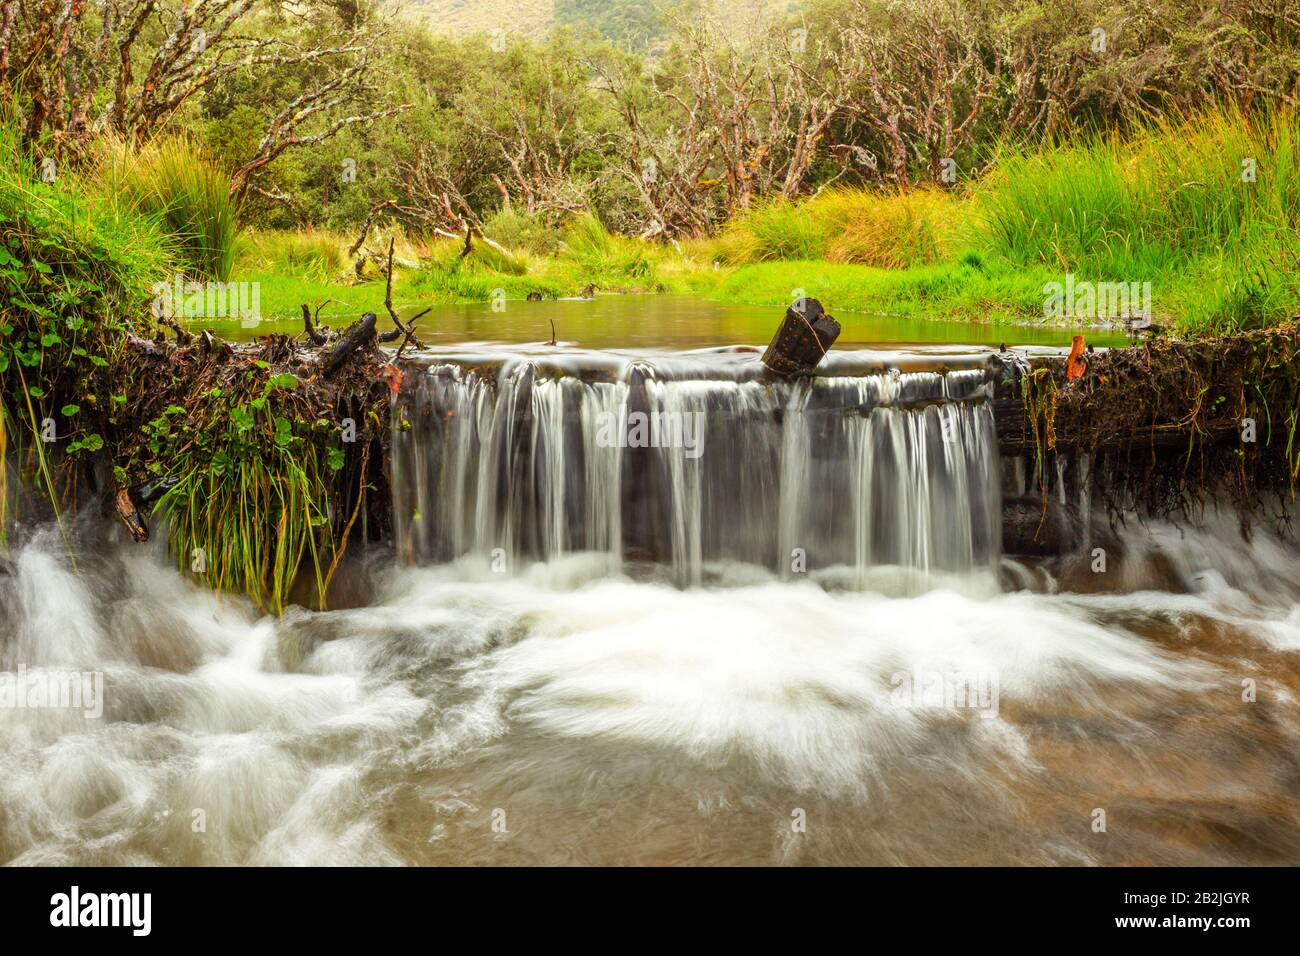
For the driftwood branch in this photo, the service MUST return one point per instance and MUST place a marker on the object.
(313, 333)
(404, 329)
(126, 509)
(358, 334)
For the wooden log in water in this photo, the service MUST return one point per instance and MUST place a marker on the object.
(802, 340)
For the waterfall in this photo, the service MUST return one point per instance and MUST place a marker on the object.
(691, 464)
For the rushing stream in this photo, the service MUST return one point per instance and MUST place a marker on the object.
(589, 651)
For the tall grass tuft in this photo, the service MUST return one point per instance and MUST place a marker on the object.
(254, 505)
(1219, 180)
(314, 254)
(174, 180)
(606, 258)
(500, 260)
(771, 231)
(890, 230)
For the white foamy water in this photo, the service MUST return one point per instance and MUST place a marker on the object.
(567, 713)
(525, 462)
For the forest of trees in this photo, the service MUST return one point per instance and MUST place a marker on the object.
(324, 110)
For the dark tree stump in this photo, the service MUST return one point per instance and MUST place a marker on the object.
(802, 340)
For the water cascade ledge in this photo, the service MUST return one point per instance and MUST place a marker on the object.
(697, 460)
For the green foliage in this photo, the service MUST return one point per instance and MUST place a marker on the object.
(251, 492)
(251, 471)
(175, 180)
(76, 270)
(634, 23)
(500, 260)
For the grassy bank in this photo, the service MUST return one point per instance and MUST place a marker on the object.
(559, 260)
(75, 263)
(970, 289)
(249, 474)
(1205, 210)
(1198, 213)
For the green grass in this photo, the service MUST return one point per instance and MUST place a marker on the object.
(77, 268)
(457, 280)
(172, 179)
(770, 231)
(609, 261)
(1149, 202)
(1168, 206)
(312, 254)
(282, 297)
(965, 289)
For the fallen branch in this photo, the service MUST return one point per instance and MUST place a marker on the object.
(406, 330)
(375, 210)
(478, 234)
(182, 337)
(357, 335)
(130, 515)
(317, 337)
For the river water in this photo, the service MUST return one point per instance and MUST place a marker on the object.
(511, 687)
(566, 716)
(650, 321)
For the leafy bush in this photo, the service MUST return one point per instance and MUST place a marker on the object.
(76, 272)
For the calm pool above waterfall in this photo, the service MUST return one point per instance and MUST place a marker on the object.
(780, 629)
(659, 321)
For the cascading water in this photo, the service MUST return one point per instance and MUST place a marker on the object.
(563, 713)
(695, 463)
